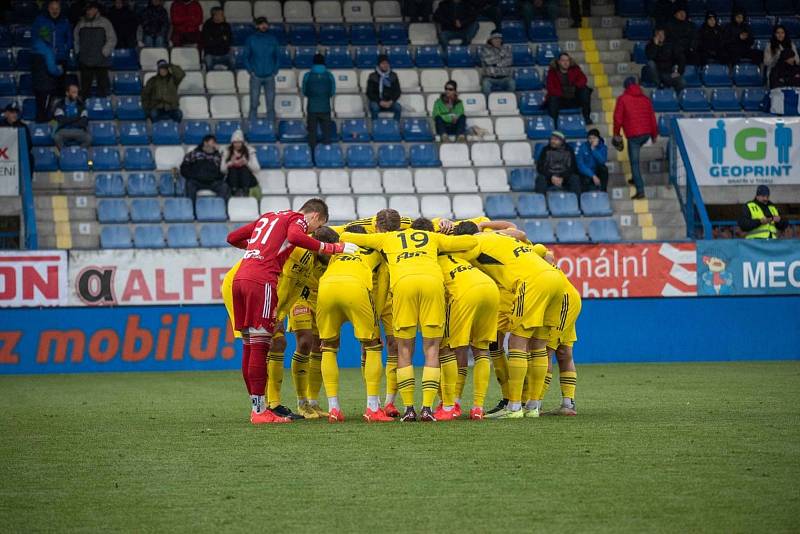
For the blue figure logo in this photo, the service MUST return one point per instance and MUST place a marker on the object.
(783, 141)
(717, 140)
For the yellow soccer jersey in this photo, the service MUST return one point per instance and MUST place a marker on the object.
(360, 266)
(460, 275)
(476, 220)
(368, 224)
(411, 252)
(505, 259)
(296, 275)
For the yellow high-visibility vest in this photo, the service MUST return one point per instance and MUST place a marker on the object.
(765, 231)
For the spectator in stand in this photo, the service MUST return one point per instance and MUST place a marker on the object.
(417, 10)
(154, 25)
(592, 158)
(557, 168)
(738, 41)
(160, 94)
(531, 10)
(710, 45)
(579, 9)
(239, 165)
(496, 60)
(488, 9)
(95, 39)
(201, 169)
(681, 34)
(786, 73)
(448, 114)
(760, 218)
(664, 65)
(11, 119)
(217, 39)
(456, 20)
(383, 90)
(261, 59)
(566, 88)
(55, 31)
(186, 17)
(633, 114)
(663, 9)
(779, 42)
(72, 120)
(51, 35)
(122, 16)
(318, 87)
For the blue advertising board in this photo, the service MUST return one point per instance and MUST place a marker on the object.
(748, 267)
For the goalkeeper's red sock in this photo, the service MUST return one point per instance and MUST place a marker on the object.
(246, 365)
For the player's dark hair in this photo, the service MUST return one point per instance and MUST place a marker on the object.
(326, 234)
(315, 205)
(422, 224)
(465, 228)
(388, 220)
(356, 229)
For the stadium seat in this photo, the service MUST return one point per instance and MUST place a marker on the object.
(521, 55)
(693, 100)
(386, 130)
(142, 185)
(400, 57)
(302, 182)
(360, 156)
(393, 34)
(363, 35)
(148, 236)
(194, 107)
(238, 11)
(329, 156)
(468, 80)
(539, 231)
(542, 31)
(753, 98)
(510, 128)
(8, 84)
(392, 155)
(135, 133)
(187, 58)
(474, 105)
(604, 230)
(532, 103)
(547, 52)
(413, 106)
(367, 181)
(297, 156)
(292, 131)
(348, 106)
(41, 134)
(573, 126)
(74, 158)
(638, 55)
(297, 11)
(500, 207)
(99, 109)
(6, 59)
(181, 235)
(761, 27)
(194, 131)
(416, 129)
(399, 181)
(23, 62)
(366, 57)
(563, 204)
(527, 79)
(493, 180)
(275, 204)
(224, 130)
(638, 29)
(178, 209)
(454, 155)
(103, 133)
(355, 131)
(112, 210)
(170, 184)
(664, 100)
(691, 76)
(303, 36)
(747, 75)
(285, 81)
(467, 206)
(44, 159)
(429, 57)
(338, 57)
(288, 107)
(571, 231)
(532, 206)
(334, 182)
(792, 23)
(109, 185)
(129, 108)
(272, 181)
(716, 76)
(341, 208)
(433, 80)
(725, 99)
(460, 56)
(522, 179)
(539, 127)
(139, 159)
(260, 131)
(435, 206)
(405, 204)
(503, 104)
(595, 204)
(356, 11)
(214, 235)
(461, 181)
(225, 107)
(242, 209)
(425, 155)
(149, 58)
(484, 155)
(369, 205)
(517, 153)
(144, 210)
(115, 236)
(422, 33)
(220, 83)
(210, 209)
(168, 157)
(124, 59)
(386, 11)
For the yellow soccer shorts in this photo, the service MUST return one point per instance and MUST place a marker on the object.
(505, 310)
(538, 305)
(418, 299)
(343, 299)
(302, 315)
(227, 295)
(472, 319)
(567, 334)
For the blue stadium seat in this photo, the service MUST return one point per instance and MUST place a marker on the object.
(753, 7)
(460, 56)
(23, 62)
(716, 76)
(214, 235)
(595, 204)
(276, 30)
(366, 57)
(416, 130)
(693, 100)
(522, 56)
(638, 29)
(333, 35)
(302, 34)
(631, 8)
(400, 57)
(261, 131)
(386, 130)
(338, 57)
(334, 133)
(44, 159)
(522, 179)
(782, 7)
(127, 83)
(753, 98)
(74, 158)
(725, 99)
(99, 108)
(142, 185)
(355, 131)
(41, 134)
(528, 79)
(393, 33)
(269, 157)
(25, 85)
(329, 156)
(145, 210)
(139, 159)
(691, 77)
(6, 38)
(115, 236)
(112, 210)
(171, 185)
(240, 32)
(194, 131)
(761, 27)
(29, 109)
(547, 52)
(103, 133)
(499, 207)
(224, 130)
(210, 209)
(513, 31)
(125, 59)
(604, 230)
(540, 231)
(363, 35)
(135, 133)
(563, 204)
(572, 125)
(109, 185)
(539, 127)
(792, 24)
(164, 133)
(6, 59)
(129, 108)
(181, 235)
(429, 57)
(696, 7)
(571, 231)
(360, 157)
(532, 206)
(532, 102)
(537, 150)
(425, 155)
(297, 156)
(664, 100)
(106, 159)
(542, 31)
(665, 123)
(148, 236)
(392, 156)
(747, 75)
(304, 56)
(638, 54)
(178, 209)
(292, 131)
(8, 84)
(285, 59)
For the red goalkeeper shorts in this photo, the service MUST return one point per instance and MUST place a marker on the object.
(254, 305)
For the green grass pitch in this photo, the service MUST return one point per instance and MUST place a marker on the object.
(656, 448)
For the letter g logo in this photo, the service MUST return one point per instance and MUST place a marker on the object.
(740, 144)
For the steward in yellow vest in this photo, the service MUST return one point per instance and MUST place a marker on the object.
(760, 218)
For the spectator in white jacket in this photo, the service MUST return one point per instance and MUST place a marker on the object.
(239, 165)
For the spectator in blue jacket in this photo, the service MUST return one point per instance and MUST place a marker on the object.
(592, 158)
(72, 119)
(51, 36)
(55, 30)
(261, 58)
(319, 87)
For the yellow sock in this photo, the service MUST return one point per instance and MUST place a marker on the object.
(539, 371)
(430, 384)
(449, 376)
(547, 379)
(363, 365)
(391, 375)
(314, 375)
(461, 380)
(527, 386)
(500, 364)
(405, 384)
(517, 369)
(568, 381)
(329, 369)
(373, 369)
(274, 378)
(480, 379)
(300, 375)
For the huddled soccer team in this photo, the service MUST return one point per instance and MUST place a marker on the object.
(463, 285)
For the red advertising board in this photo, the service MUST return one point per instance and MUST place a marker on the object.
(33, 278)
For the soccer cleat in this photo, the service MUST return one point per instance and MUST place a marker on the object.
(391, 410)
(320, 412)
(505, 413)
(335, 416)
(457, 411)
(376, 416)
(283, 411)
(531, 412)
(562, 410)
(500, 405)
(410, 415)
(267, 416)
(442, 415)
(306, 411)
(476, 414)
(426, 415)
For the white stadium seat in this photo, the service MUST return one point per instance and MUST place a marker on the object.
(334, 182)
(272, 204)
(387, 11)
(430, 101)
(302, 182)
(169, 157)
(187, 58)
(192, 83)
(348, 106)
(297, 11)
(468, 80)
(474, 105)
(245, 106)
(328, 12)
(225, 107)
(486, 155)
(485, 29)
(429, 180)
(493, 180)
(298, 201)
(433, 80)
(510, 129)
(288, 107)
(461, 181)
(149, 57)
(485, 124)
(356, 11)
(243, 81)
(272, 182)
(341, 208)
(369, 205)
(467, 206)
(413, 106)
(408, 205)
(454, 155)
(503, 104)
(271, 9)
(220, 83)
(422, 33)
(436, 206)
(517, 153)
(242, 209)
(194, 107)
(206, 5)
(366, 181)
(238, 11)
(398, 181)
(285, 81)
(409, 80)
(346, 81)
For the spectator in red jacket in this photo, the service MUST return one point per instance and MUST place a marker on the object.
(634, 114)
(566, 88)
(186, 17)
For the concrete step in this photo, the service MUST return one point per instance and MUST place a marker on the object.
(71, 214)
(621, 181)
(660, 233)
(650, 219)
(54, 182)
(10, 206)
(607, 58)
(663, 192)
(641, 206)
(44, 202)
(571, 34)
(604, 46)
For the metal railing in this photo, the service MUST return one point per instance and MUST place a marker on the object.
(698, 225)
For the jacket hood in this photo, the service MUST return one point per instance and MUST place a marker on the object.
(634, 90)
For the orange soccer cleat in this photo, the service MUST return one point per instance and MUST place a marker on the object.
(376, 416)
(335, 416)
(443, 415)
(476, 414)
(457, 411)
(391, 410)
(267, 416)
